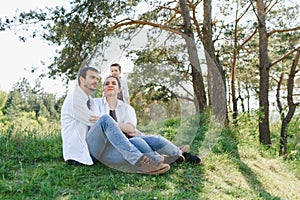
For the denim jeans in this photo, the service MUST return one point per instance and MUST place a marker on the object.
(154, 146)
(108, 144)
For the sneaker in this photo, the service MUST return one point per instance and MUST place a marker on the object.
(149, 166)
(185, 148)
(191, 158)
(180, 160)
(174, 159)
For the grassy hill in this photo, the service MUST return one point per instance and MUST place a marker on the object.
(237, 167)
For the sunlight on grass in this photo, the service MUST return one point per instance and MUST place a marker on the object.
(237, 167)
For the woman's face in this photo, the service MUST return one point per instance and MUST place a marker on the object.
(111, 87)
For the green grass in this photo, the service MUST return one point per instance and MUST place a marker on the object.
(237, 167)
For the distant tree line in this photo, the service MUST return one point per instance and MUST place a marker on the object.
(29, 107)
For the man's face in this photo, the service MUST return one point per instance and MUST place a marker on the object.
(115, 71)
(90, 82)
(111, 87)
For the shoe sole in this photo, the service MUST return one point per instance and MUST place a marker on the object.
(160, 171)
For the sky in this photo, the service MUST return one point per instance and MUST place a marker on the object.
(17, 58)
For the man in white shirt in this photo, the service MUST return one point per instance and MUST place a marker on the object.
(86, 136)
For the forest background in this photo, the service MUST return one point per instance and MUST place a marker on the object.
(236, 60)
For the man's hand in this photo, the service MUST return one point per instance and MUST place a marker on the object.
(132, 134)
(93, 118)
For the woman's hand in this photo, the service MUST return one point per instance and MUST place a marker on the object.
(126, 127)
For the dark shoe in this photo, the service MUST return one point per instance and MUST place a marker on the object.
(180, 160)
(191, 158)
(149, 166)
(174, 159)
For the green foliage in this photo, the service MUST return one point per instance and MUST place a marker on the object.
(29, 109)
(3, 99)
(153, 106)
(161, 75)
(248, 132)
(158, 68)
(293, 134)
(23, 98)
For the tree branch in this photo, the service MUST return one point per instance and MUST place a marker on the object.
(284, 56)
(283, 30)
(144, 23)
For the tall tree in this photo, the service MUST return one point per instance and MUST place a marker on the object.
(264, 67)
(216, 75)
(198, 82)
(286, 119)
(236, 49)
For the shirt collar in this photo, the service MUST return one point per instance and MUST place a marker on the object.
(79, 89)
(119, 102)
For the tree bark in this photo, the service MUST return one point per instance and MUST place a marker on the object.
(279, 105)
(198, 83)
(240, 96)
(264, 65)
(233, 72)
(216, 75)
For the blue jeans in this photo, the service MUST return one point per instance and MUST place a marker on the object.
(154, 146)
(108, 144)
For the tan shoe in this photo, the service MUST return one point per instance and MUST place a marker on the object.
(149, 166)
(185, 148)
(160, 171)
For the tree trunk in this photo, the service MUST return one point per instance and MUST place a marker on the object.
(198, 83)
(233, 72)
(240, 97)
(264, 129)
(216, 75)
(248, 98)
(291, 105)
(279, 105)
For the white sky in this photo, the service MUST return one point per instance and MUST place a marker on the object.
(17, 56)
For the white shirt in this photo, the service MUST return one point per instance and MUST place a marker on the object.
(124, 88)
(125, 113)
(74, 126)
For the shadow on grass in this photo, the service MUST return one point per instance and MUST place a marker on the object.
(228, 145)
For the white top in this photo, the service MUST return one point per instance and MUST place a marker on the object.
(74, 126)
(124, 88)
(125, 113)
